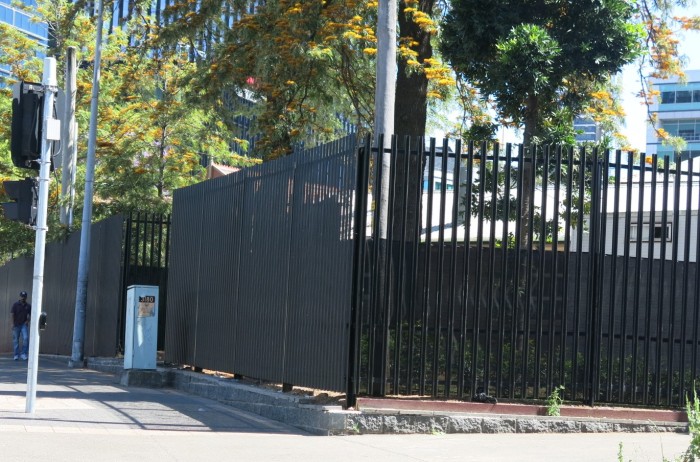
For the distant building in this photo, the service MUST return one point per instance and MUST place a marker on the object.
(22, 20)
(677, 109)
(587, 130)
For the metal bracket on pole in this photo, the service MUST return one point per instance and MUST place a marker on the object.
(51, 132)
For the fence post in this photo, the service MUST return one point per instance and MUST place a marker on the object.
(594, 273)
(358, 259)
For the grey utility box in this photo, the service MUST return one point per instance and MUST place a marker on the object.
(141, 339)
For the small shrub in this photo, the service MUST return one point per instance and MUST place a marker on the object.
(693, 410)
(555, 400)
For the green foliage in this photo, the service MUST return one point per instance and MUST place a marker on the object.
(303, 64)
(555, 400)
(620, 456)
(692, 408)
(152, 127)
(535, 57)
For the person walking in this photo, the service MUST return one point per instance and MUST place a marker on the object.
(21, 311)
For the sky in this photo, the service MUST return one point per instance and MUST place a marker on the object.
(635, 122)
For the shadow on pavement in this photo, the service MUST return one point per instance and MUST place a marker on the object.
(86, 398)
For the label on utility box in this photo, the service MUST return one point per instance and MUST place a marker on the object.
(147, 306)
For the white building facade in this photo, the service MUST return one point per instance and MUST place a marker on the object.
(677, 111)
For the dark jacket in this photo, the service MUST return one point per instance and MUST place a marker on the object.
(20, 312)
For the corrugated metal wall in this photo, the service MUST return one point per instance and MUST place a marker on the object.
(261, 270)
(60, 279)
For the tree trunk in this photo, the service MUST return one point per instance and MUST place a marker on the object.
(412, 103)
(531, 131)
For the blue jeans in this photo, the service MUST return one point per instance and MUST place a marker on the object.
(16, 332)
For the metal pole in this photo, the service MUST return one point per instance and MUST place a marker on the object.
(49, 126)
(68, 135)
(76, 359)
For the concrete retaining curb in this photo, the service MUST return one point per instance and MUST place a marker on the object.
(318, 419)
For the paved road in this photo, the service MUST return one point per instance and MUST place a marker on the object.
(84, 415)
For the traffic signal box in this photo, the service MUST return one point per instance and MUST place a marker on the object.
(24, 197)
(27, 117)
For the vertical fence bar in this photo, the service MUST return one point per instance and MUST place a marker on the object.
(530, 255)
(672, 298)
(126, 271)
(428, 268)
(661, 290)
(389, 296)
(490, 299)
(479, 265)
(592, 363)
(416, 258)
(372, 376)
(613, 275)
(453, 267)
(565, 280)
(437, 325)
(686, 273)
(639, 229)
(625, 284)
(466, 273)
(602, 237)
(400, 301)
(579, 267)
(649, 279)
(159, 261)
(541, 263)
(554, 276)
(502, 340)
(518, 306)
(153, 240)
(358, 271)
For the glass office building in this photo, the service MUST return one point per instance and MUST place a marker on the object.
(587, 130)
(677, 109)
(22, 20)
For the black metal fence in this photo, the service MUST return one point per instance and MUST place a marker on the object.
(456, 271)
(145, 262)
(260, 270)
(113, 242)
(513, 271)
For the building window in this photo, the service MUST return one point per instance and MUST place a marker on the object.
(658, 232)
(684, 97)
(680, 96)
(688, 129)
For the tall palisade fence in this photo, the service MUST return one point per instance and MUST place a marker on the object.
(260, 272)
(511, 271)
(444, 271)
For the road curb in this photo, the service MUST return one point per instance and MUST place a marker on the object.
(298, 411)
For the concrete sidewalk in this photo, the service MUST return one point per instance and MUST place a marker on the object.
(82, 399)
(86, 415)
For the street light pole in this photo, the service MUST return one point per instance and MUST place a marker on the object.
(78, 350)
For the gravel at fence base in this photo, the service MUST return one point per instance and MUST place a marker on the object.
(301, 411)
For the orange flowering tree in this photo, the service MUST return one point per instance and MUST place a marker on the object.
(663, 29)
(297, 69)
